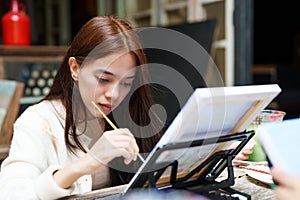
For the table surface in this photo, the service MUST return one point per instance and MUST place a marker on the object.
(253, 187)
(243, 183)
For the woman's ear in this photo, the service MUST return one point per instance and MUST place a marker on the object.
(74, 68)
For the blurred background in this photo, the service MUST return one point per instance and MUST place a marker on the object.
(254, 42)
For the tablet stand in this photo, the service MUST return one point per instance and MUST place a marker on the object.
(201, 179)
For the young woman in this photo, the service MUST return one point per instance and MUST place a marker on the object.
(63, 145)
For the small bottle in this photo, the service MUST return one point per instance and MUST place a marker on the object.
(16, 25)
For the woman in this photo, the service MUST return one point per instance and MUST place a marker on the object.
(62, 145)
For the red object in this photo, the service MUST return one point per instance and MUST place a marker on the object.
(16, 25)
(253, 169)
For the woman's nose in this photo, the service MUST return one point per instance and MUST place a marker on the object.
(113, 91)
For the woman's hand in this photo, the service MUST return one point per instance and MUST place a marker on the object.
(243, 154)
(246, 151)
(289, 186)
(115, 143)
(110, 145)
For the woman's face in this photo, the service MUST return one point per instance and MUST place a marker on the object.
(106, 81)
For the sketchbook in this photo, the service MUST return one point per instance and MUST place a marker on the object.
(210, 113)
(281, 143)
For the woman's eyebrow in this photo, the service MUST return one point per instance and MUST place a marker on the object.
(111, 74)
(105, 72)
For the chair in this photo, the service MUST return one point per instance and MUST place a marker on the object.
(10, 95)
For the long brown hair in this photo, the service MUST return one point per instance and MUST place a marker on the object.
(90, 36)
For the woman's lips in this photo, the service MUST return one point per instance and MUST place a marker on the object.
(105, 107)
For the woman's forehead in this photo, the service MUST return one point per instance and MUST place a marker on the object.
(115, 64)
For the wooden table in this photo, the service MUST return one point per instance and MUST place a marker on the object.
(243, 183)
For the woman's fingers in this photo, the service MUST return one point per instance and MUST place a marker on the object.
(124, 143)
(289, 187)
(282, 193)
(246, 151)
(284, 178)
(241, 156)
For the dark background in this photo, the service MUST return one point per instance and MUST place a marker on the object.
(276, 40)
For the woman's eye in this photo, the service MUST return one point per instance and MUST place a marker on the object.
(103, 80)
(126, 84)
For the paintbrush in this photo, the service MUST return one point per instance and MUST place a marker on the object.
(111, 123)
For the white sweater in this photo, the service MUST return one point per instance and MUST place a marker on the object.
(37, 150)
